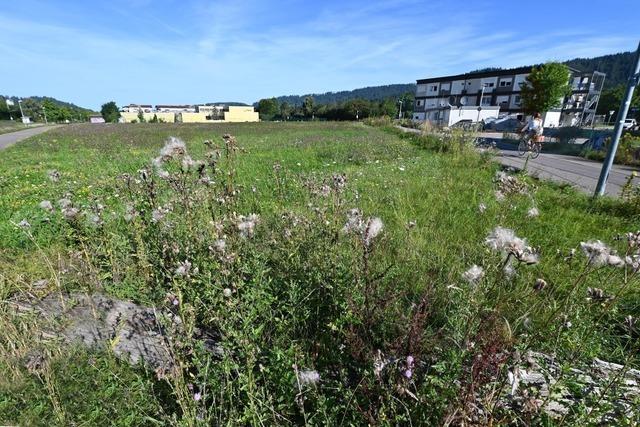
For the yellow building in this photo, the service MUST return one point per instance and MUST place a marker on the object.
(205, 114)
(241, 114)
(131, 117)
(194, 118)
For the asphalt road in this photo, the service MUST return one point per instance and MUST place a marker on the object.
(6, 139)
(579, 172)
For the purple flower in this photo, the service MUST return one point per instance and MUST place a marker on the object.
(408, 373)
(197, 396)
(410, 361)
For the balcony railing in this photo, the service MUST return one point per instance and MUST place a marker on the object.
(503, 89)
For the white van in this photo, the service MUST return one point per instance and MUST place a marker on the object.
(629, 124)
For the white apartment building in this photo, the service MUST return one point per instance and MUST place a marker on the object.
(479, 95)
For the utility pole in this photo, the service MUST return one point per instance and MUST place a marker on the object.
(21, 112)
(617, 132)
(400, 110)
(480, 103)
(45, 115)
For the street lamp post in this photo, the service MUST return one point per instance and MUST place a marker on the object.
(634, 79)
(44, 111)
(480, 103)
(400, 110)
(21, 112)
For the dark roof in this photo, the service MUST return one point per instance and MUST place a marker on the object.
(488, 73)
(174, 106)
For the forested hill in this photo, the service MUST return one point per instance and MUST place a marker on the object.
(372, 93)
(56, 110)
(616, 66)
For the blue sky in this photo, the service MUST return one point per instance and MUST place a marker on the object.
(190, 51)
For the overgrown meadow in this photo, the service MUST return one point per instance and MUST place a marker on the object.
(350, 275)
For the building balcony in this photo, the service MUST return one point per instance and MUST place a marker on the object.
(503, 89)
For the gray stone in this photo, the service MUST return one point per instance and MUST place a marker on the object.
(133, 332)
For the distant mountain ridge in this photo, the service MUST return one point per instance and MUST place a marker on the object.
(41, 99)
(35, 107)
(370, 93)
(616, 66)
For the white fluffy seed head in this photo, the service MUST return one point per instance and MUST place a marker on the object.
(473, 275)
(308, 377)
(505, 239)
(46, 205)
(374, 227)
(596, 252)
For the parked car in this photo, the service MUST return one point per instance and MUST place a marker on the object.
(629, 124)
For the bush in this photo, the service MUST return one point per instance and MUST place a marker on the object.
(628, 152)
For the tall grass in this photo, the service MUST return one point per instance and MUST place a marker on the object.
(351, 275)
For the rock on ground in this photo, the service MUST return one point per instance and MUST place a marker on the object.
(134, 333)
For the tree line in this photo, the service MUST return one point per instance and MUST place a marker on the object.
(352, 109)
(371, 93)
(36, 108)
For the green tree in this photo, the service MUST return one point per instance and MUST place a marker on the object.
(308, 106)
(4, 110)
(268, 108)
(389, 108)
(545, 87)
(110, 112)
(141, 116)
(285, 110)
(610, 100)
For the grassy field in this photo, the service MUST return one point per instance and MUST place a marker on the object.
(309, 287)
(10, 126)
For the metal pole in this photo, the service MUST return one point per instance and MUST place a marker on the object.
(45, 115)
(21, 112)
(400, 110)
(617, 132)
(480, 103)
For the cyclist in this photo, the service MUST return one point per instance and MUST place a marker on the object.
(533, 129)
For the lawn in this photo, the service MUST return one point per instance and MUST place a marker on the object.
(7, 126)
(309, 284)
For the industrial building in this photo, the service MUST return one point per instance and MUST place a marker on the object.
(189, 113)
(481, 95)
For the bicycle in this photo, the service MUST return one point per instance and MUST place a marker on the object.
(530, 144)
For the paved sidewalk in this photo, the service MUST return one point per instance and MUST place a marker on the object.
(579, 172)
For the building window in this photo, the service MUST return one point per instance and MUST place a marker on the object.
(505, 83)
(486, 100)
(434, 88)
(488, 84)
(517, 100)
(419, 102)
